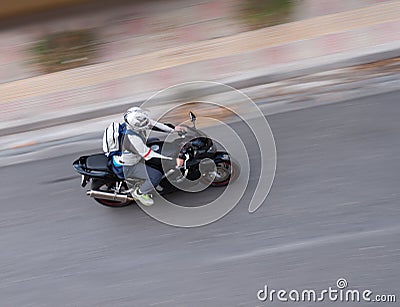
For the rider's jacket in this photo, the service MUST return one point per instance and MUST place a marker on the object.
(134, 147)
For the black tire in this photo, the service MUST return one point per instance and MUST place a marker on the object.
(100, 185)
(228, 171)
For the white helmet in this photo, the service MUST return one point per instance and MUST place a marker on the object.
(137, 118)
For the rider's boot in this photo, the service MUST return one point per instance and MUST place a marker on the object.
(145, 199)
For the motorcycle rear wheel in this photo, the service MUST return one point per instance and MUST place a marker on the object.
(100, 185)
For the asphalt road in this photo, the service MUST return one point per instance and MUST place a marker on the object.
(333, 212)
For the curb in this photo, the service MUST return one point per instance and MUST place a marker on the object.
(313, 66)
(245, 80)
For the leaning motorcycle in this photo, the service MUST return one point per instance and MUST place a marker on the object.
(110, 190)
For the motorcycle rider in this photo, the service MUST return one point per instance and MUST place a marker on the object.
(135, 152)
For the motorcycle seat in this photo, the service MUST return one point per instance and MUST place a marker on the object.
(97, 162)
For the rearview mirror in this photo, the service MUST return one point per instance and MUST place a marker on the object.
(192, 117)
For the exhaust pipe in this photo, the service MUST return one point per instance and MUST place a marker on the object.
(109, 196)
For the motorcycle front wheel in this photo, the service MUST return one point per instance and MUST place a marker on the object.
(225, 172)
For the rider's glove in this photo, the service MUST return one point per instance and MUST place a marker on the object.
(180, 129)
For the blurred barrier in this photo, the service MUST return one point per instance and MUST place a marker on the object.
(127, 28)
(11, 8)
(87, 88)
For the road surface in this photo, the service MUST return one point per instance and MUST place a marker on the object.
(333, 212)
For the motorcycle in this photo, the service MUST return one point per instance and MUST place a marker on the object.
(203, 161)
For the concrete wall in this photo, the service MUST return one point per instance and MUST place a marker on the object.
(11, 8)
(143, 27)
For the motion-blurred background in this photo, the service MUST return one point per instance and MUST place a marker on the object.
(325, 74)
(60, 58)
(61, 34)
